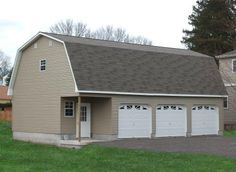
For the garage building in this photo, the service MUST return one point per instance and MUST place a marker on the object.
(67, 87)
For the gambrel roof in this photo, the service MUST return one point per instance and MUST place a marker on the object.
(121, 68)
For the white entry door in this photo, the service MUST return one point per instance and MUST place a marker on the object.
(171, 120)
(85, 120)
(134, 121)
(205, 120)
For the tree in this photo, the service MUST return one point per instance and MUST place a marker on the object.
(69, 27)
(65, 28)
(213, 27)
(8, 78)
(81, 30)
(119, 35)
(4, 65)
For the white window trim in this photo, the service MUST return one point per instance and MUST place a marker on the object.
(233, 65)
(40, 65)
(227, 98)
(66, 108)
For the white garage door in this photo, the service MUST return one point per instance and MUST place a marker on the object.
(134, 121)
(205, 120)
(171, 120)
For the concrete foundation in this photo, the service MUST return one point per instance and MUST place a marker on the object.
(56, 139)
(220, 133)
(53, 139)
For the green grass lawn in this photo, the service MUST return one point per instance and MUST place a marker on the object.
(19, 156)
(230, 133)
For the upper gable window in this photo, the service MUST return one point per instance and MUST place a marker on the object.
(35, 45)
(234, 65)
(42, 65)
(50, 43)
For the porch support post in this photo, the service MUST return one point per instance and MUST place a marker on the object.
(189, 120)
(78, 126)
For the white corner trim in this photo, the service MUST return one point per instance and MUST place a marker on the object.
(149, 94)
(18, 57)
(13, 77)
(76, 87)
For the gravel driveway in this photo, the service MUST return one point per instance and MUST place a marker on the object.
(217, 145)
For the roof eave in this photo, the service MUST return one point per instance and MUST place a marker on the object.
(225, 56)
(150, 94)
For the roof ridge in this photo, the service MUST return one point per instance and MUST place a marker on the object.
(79, 37)
(131, 45)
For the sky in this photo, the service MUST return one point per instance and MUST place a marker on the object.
(160, 21)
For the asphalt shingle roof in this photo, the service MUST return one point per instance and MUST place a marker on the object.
(119, 67)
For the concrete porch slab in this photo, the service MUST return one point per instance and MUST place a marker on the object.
(78, 144)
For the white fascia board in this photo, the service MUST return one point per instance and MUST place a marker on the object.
(149, 94)
(18, 57)
(37, 36)
(13, 77)
(58, 40)
(29, 41)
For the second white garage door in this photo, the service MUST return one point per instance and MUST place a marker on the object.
(205, 120)
(134, 121)
(171, 120)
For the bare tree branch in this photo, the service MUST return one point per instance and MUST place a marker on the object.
(62, 27)
(119, 35)
(79, 29)
(4, 65)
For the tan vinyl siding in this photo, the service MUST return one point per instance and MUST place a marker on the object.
(37, 95)
(225, 67)
(100, 116)
(68, 124)
(230, 113)
(154, 101)
(229, 78)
